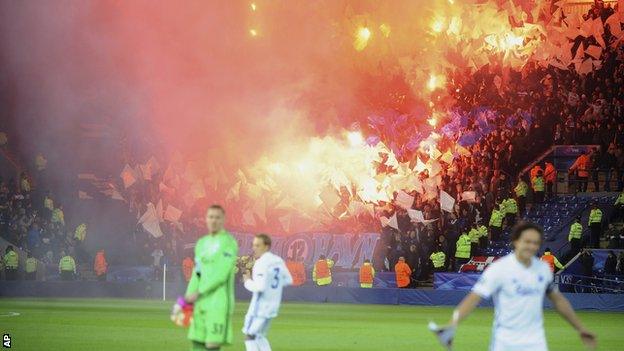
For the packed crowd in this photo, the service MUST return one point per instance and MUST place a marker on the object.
(566, 108)
(32, 221)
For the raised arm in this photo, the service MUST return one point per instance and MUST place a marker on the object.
(563, 307)
(258, 281)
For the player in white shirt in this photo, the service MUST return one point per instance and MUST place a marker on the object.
(269, 276)
(517, 283)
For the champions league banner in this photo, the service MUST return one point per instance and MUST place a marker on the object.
(347, 250)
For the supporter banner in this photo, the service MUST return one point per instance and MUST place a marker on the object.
(454, 281)
(347, 250)
(572, 150)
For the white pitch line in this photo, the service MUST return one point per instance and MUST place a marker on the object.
(9, 314)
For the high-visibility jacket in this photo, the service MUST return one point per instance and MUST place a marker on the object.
(297, 272)
(48, 203)
(403, 273)
(551, 260)
(474, 235)
(521, 189)
(512, 206)
(502, 207)
(58, 216)
(482, 231)
(620, 199)
(11, 260)
(595, 216)
(438, 258)
(322, 272)
(550, 173)
(462, 247)
(81, 232)
(100, 266)
(31, 265)
(581, 165)
(67, 264)
(187, 268)
(367, 275)
(538, 184)
(496, 219)
(576, 231)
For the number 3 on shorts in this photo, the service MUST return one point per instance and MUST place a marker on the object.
(217, 328)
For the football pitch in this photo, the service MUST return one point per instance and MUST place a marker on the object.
(111, 324)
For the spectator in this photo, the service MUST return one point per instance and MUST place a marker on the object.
(620, 263)
(587, 263)
(610, 264)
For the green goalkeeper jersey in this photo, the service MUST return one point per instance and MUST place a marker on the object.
(213, 279)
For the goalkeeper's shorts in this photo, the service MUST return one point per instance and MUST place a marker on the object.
(213, 327)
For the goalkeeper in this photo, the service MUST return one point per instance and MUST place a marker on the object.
(211, 288)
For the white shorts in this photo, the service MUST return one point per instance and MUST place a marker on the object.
(502, 346)
(256, 326)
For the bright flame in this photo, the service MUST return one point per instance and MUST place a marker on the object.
(253, 32)
(435, 81)
(438, 24)
(355, 138)
(253, 6)
(432, 121)
(362, 35)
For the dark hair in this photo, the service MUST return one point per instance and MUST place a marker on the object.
(368, 261)
(547, 249)
(217, 207)
(523, 226)
(266, 239)
(322, 257)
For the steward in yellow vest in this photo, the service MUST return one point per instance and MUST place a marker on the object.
(595, 226)
(462, 250)
(11, 262)
(438, 260)
(67, 267)
(31, 268)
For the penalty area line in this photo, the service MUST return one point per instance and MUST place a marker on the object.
(9, 314)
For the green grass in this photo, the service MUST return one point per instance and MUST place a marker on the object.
(89, 324)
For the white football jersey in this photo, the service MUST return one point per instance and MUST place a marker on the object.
(518, 293)
(269, 277)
